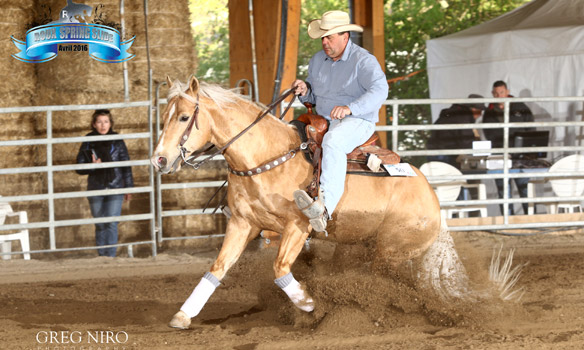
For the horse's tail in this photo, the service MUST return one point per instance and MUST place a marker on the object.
(442, 269)
(504, 276)
(445, 274)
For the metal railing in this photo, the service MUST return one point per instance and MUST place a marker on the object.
(155, 187)
(50, 169)
(506, 151)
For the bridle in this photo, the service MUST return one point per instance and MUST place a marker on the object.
(193, 121)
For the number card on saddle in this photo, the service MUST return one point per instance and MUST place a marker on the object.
(365, 159)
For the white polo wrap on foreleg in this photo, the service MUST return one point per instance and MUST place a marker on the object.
(295, 292)
(200, 295)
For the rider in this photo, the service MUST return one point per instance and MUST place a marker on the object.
(348, 87)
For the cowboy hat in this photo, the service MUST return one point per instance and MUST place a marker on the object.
(331, 22)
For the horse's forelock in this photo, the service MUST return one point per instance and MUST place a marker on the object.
(179, 89)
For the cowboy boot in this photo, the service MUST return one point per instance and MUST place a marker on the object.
(314, 210)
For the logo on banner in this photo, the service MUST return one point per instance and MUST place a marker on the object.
(73, 32)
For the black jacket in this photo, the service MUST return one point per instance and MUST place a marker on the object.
(107, 151)
(518, 113)
(453, 139)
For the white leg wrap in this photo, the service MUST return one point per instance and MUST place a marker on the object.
(200, 295)
(295, 292)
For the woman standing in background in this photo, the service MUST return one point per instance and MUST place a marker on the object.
(106, 233)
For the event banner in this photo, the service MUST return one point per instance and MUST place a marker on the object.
(101, 42)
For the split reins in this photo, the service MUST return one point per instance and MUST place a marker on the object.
(194, 121)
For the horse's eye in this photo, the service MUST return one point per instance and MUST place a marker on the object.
(184, 118)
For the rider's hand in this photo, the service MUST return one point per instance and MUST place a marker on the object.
(95, 160)
(301, 87)
(340, 112)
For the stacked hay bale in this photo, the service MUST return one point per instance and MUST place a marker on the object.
(170, 40)
(17, 89)
(72, 79)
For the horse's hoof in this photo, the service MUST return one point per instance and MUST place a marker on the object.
(305, 305)
(180, 320)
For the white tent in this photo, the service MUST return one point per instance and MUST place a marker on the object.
(538, 49)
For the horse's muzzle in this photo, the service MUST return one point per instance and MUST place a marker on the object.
(161, 164)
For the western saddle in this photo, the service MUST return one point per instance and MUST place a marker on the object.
(316, 126)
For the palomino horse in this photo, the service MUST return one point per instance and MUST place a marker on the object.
(400, 215)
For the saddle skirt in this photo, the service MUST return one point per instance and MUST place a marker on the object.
(313, 127)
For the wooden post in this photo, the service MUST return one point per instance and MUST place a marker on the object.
(370, 15)
(267, 18)
(291, 56)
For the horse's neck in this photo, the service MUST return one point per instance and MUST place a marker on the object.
(268, 139)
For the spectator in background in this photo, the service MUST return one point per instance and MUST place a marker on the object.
(466, 113)
(518, 113)
(106, 233)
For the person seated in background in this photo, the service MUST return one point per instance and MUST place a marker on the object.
(466, 113)
(518, 113)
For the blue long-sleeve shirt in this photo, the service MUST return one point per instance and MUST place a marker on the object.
(356, 81)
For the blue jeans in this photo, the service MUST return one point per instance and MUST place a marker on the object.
(521, 184)
(106, 233)
(341, 139)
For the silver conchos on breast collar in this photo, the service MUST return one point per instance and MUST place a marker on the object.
(269, 165)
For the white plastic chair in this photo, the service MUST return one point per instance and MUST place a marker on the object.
(564, 187)
(449, 190)
(22, 236)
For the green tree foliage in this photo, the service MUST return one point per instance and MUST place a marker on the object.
(313, 9)
(210, 26)
(408, 24)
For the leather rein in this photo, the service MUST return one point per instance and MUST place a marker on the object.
(194, 122)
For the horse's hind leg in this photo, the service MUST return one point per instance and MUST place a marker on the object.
(239, 233)
(291, 245)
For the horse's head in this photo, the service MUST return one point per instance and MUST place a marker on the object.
(186, 126)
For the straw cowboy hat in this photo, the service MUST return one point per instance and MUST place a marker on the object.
(331, 22)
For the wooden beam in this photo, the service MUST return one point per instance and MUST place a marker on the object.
(239, 43)
(522, 219)
(291, 55)
(267, 16)
(370, 15)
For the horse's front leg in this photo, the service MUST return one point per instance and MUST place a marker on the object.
(291, 244)
(239, 233)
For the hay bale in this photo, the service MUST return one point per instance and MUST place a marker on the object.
(172, 48)
(18, 79)
(73, 78)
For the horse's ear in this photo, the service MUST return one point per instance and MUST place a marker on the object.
(168, 82)
(193, 84)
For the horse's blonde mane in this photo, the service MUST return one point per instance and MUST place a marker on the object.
(224, 98)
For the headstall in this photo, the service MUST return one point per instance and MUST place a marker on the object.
(257, 170)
